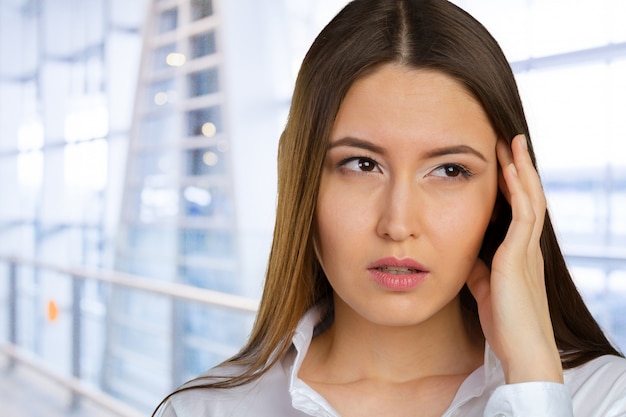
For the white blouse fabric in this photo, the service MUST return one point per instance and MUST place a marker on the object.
(595, 389)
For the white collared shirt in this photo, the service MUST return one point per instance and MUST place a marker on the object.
(595, 389)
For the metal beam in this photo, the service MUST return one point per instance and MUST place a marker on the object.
(605, 53)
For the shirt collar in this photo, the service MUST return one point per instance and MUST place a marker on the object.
(484, 378)
(303, 397)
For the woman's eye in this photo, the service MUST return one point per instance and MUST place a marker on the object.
(452, 171)
(360, 164)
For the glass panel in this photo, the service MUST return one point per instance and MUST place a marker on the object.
(4, 300)
(207, 341)
(153, 248)
(28, 308)
(12, 183)
(224, 341)
(205, 161)
(551, 27)
(208, 244)
(203, 82)
(167, 20)
(157, 203)
(156, 163)
(618, 218)
(561, 27)
(55, 334)
(161, 94)
(85, 165)
(616, 294)
(617, 28)
(201, 8)
(196, 162)
(159, 128)
(159, 56)
(546, 90)
(202, 44)
(214, 203)
(604, 289)
(199, 119)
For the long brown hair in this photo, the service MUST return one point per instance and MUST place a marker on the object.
(430, 34)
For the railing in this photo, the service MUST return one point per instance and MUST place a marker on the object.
(81, 389)
(73, 382)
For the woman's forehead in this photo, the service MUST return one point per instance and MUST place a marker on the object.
(413, 103)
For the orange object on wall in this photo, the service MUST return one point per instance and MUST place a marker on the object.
(53, 311)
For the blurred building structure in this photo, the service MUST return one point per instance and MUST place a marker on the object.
(140, 136)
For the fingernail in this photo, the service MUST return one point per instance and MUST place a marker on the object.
(524, 142)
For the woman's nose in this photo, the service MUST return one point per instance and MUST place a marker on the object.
(399, 217)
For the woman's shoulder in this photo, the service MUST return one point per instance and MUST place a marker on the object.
(606, 367)
(599, 386)
(267, 395)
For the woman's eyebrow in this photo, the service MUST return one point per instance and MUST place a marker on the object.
(433, 153)
(450, 150)
(357, 143)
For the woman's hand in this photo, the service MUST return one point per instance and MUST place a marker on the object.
(512, 301)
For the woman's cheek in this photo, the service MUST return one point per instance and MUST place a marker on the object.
(461, 222)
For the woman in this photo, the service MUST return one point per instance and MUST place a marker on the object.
(414, 269)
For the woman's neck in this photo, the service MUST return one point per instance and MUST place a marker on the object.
(354, 349)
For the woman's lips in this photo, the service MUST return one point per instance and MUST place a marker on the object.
(397, 274)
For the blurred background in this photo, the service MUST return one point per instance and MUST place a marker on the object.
(137, 164)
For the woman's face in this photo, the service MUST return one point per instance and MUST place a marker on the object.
(407, 191)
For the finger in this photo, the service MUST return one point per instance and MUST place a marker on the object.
(531, 182)
(505, 157)
(523, 214)
(527, 171)
(518, 156)
(539, 267)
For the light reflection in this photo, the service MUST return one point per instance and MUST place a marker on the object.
(210, 158)
(161, 98)
(30, 136)
(209, 129)
(197, 195)
(158, 203)
(175, 59)
(30, 139)
(86, 164)
(88, 120)
(85, 158)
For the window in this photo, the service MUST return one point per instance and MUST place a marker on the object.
(202, 44)
(569, 61)
(197, 119)
(167, 20)
(203, 82)
(160, 54)
(201, 9)
(205, 161)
